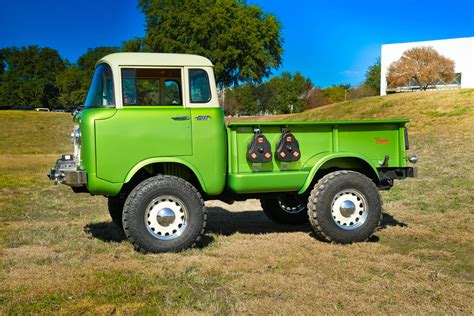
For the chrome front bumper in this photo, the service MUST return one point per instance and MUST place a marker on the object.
(65, 172)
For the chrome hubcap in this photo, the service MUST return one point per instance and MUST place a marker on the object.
(166, 217)
(349, 209)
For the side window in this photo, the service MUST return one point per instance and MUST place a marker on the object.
(142, 86)
(199, 86)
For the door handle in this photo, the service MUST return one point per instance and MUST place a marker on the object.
(180, 118)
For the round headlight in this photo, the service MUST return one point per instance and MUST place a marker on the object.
(76, 136)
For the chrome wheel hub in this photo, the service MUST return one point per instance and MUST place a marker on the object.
(349, 209)
(166, 217)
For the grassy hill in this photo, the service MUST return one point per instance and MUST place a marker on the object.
(60, 252)
(417, 106)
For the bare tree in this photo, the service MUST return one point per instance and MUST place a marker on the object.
(316, 99)
(424, 65)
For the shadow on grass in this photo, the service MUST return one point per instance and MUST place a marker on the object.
(388, 221)
(105, 231)
(226, 223)
(222, 222)
(109, 232)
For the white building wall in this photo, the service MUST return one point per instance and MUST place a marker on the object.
(461, 50)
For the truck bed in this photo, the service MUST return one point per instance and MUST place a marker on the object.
(323, 145)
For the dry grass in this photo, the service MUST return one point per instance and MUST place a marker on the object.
(60, 253)
(30, 132)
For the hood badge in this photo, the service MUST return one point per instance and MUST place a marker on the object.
(203, 117)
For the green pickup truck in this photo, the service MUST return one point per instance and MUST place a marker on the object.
(152, 139)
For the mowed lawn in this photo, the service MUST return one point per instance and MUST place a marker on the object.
(61, 253)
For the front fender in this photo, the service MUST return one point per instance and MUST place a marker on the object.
(149, 161)
(320, 159)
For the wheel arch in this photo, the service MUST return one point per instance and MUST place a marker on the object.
(325, 163)
(174, 166)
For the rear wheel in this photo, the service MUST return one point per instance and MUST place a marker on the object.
(288, 209)
(345, 207)
(164, 214)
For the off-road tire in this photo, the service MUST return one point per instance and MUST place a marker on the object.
(144, 193)
(115, 205)
(274, 211)
(320, 206)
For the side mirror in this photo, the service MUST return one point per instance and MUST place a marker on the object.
(76, 110)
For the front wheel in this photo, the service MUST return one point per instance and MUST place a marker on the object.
(164, 214)
(288, 209)
(345, 207)
(115, 206)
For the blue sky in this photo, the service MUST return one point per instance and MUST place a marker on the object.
(330, 42)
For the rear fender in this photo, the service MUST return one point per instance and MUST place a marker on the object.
(319, 160)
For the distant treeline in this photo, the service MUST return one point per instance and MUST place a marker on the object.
(39, 77)
(292, 93)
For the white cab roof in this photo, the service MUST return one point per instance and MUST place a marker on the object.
(155, 59)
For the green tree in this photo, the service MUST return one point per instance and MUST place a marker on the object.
(372, 76)
(87, 61)
(3, 63)
(242, 100)
(288, 93)
(72, 85)
(266, 94)
(336, 93)
(242, 41)
(281, 94)
(229, 102)
(29, 76)
(134, 45)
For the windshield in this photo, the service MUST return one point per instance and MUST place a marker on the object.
(101, 91)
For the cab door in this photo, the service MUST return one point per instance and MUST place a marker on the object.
(152, 123)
